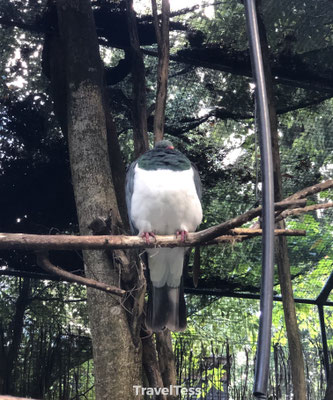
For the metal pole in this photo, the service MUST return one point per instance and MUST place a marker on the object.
(324, 340)
(326, 290)
(320, 301)
(266, 299)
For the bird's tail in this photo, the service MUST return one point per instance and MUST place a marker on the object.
(166, 308)
(177, 308)
(156, 316)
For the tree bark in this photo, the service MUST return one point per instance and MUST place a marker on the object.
(281, 251)
(117, 164)
(166, 360)
(151, 365)
(329, 388)
(117, 356)
(139, 111)
(163, 43)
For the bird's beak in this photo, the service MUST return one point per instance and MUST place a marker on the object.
(171, 147)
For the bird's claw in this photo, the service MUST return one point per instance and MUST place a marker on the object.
(182, 234)
(147, 235)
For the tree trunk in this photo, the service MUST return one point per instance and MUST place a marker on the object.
(166, 360)
(162, 35)
(281, 251)
(10, 355)
(117, 353)
(151, 366)
(329, 389)
(139, 109)
(118, 168)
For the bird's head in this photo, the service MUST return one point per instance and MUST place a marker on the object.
(164, 144)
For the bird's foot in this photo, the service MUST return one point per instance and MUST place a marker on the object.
(147, 235)
(182, 234)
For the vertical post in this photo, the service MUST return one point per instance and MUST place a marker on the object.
(324, 339)
(321, 299)
(266, 297)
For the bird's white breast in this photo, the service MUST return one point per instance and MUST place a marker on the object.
(165, 201)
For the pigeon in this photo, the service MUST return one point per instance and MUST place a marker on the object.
(163, 196)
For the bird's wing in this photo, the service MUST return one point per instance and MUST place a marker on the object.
(129, 187)
(197, 181)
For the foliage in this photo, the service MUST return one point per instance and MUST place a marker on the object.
(55, 339)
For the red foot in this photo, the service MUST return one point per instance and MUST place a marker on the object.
(147, 235)
(183, 235)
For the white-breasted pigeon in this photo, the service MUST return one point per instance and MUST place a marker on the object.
(163, 196)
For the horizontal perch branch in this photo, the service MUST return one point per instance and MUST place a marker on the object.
(224, 232)
(22, 241)
(44, 262)
(228, 231)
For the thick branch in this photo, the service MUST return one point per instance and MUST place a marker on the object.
(22, 241)
(218, 230)
(45, 263)
(310, 190)
(183, 11)
(298, 211)
(238, 63)
(225, 232)
(258, 232)
(155, 21)
(298, 74)
(222, 114)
